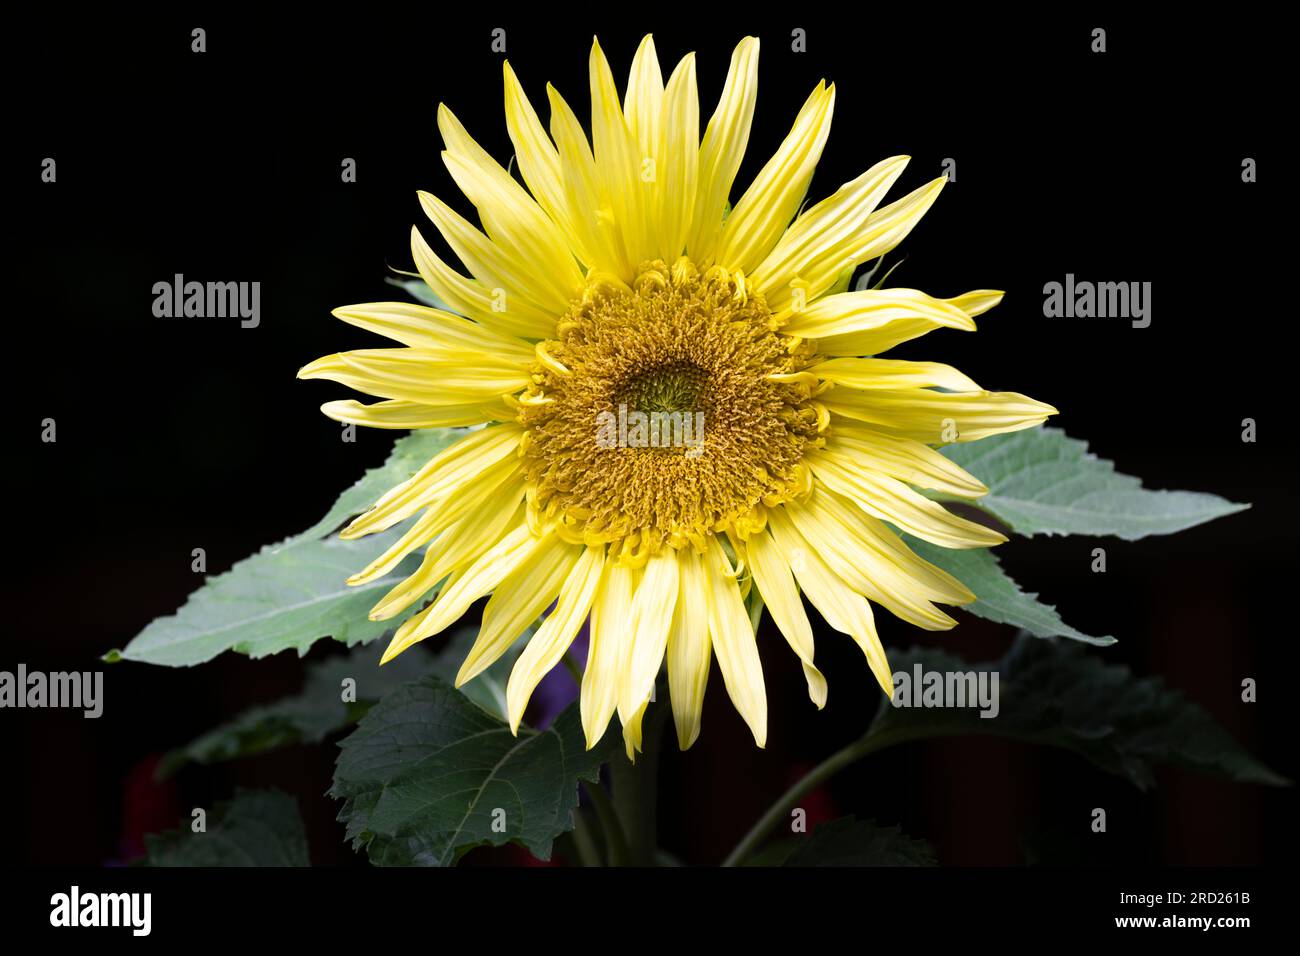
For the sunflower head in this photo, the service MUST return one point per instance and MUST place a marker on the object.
(616, 295)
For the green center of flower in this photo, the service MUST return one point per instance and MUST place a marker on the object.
(674, 387)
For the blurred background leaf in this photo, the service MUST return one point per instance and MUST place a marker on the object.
(319, 709)
(1057, 694)
(256, 828)
(852, 842)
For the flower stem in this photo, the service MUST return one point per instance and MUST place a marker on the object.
(583, 839)
(780, 811)
(635, 791)
(615, 842)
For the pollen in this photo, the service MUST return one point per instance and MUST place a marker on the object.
(700, 347)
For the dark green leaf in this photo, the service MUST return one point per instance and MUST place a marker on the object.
(427, 775)
(488, 690)
(307, 717)
(256, 828)
(319, 710)
(1059, 695)
(852, 842)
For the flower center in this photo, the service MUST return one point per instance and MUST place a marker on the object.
(666, 411)
(678, 386)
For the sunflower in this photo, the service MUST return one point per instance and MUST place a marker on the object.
(622, 278)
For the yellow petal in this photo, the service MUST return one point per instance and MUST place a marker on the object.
(938, 417)
(677, 162)
(977, 302)
(463, 543)
(593, 218)
(618, 161)
(511, 218)
(843, 609)
(491, 308)
(722, 150)
(423, 376)
(518, 600)
(449, 511)
(648, 622)
(469, 585)
(890, 500)
(539, 163)
(892, 373)
(821, 268)
(606, 652)
(873, 320)
(776, 585)
(872, 541)
(446, 472)
(643, 102)
(424, 328)
(689, 648)
(831, 225)
(407, 415)
(851, 550)
(508, 277)
(649, 127)
(734, 644)
(555, 635)
(763, 212)
(539, 253)
(632, 731)
(903, 458)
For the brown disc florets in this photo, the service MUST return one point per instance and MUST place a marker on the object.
(665, 411)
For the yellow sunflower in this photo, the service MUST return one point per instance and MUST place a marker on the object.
(621, 286)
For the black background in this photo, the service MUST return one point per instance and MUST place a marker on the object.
(176, 434)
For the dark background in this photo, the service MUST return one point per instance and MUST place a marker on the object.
(176, 434)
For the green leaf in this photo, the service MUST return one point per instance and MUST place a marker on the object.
(288, 596)
(754, 605)
(999, 598)
(319, 710)
(1059, 695)
(1043, 482)
(487, 690)
(284, 597)
(256, 828)
(419, 290)
(868, 279)
(410, 453)
(309, 716)
(427, 774)
(852, 842)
